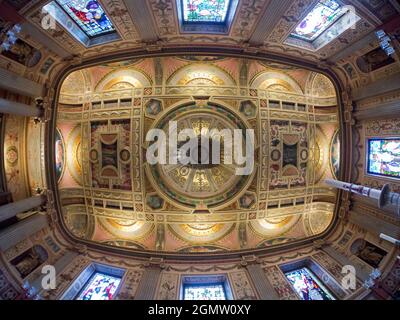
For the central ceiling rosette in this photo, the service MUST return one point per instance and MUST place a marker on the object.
(203, 182)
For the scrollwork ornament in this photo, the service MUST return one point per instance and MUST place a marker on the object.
(318, 244)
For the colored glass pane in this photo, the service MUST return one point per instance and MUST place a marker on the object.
(384, 157)
(89, 15)
(99, 287)
(204, 292)
(205, 10)
(323, 15)
(307, 285)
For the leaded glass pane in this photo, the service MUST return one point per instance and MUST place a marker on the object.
(307, 285)
(323, 15)
(204, 292)
(384, 157)
(205, 10)
(100, 287)
(89, 15)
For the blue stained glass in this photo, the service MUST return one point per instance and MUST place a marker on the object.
(100, 287)
(205, 10)
(384, 157)
(323, 15)
(307, 285)
(89, 15)
(204, 292)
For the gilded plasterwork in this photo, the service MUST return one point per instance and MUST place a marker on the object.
(203, 207)
(14, 150)
(201, 233)
(192, 186)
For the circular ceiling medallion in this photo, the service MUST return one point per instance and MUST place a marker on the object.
(212, 184)
(247, 200)
(275, 155)
(12, 155)
(124, 155)
(154, 201)
(304, 154)
(94, 155)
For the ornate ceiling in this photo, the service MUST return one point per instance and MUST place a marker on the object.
(111, 195)
(257, 26)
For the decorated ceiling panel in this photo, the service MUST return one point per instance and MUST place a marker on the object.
(112, 194)
(307, 30)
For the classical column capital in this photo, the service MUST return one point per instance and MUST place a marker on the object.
(249, 260)
(80, 249)
(325, 64)
(250, 48)
(74, 59)
(153, 46)
(320, 243)
(154, 262)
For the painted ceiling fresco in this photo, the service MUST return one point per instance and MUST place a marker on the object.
(111, 195)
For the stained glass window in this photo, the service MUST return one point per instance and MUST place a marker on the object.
(89, 15)
(205, 10)
(307, 285)
(323, 15)
(384, 157)
(100, 287)
(204, 292)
